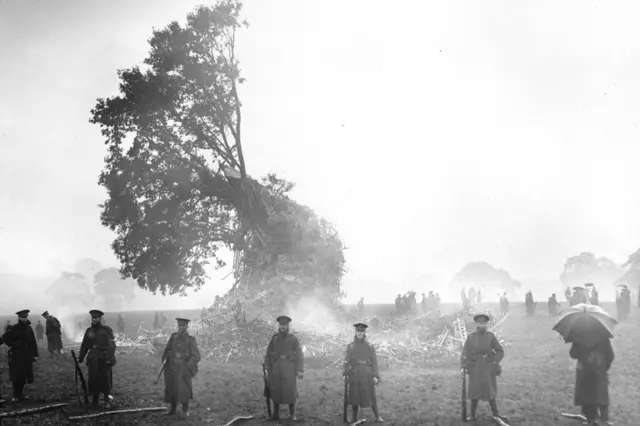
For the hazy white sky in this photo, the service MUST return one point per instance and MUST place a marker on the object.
(430, 133)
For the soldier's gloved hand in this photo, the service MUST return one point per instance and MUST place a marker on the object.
(376, 380)
(300, 375)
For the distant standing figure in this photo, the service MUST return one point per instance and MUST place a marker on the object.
(479, 296)
(472, 296)
(361, 369)
(398, 304)
(481, 356)
(181, 357)
(120, 324)
(39, 332)
(529, 303)
(99, 346)
(7, 326)
(568, 295)
(361, 307)
(504, 304)
(595, 299)
(53, 330)
(553, 305)
(592, 382)
(284, 362)
(623, 304)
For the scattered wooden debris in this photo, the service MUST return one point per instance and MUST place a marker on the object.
(109, 413)
(30, 411)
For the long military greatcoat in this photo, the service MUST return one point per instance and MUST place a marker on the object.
(53, 330)
(283, 360)
(182, 357)
(360, 367)
(592, 377)
(99, 346)
(22, 349)
(481, 355)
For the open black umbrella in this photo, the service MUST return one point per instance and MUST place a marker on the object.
(585, 324)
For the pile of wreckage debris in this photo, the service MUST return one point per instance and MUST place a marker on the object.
(234, 330)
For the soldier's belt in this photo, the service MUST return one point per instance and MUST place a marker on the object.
(281, 357)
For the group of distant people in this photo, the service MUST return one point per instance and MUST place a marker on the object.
(587, 294)
(470, 297)
(407, 304)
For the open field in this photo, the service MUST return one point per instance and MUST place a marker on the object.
(536, 385)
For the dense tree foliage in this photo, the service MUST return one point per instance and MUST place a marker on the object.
(178, 188)
(587, 268)
(483, 275)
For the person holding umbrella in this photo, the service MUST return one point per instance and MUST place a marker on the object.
(589, 329)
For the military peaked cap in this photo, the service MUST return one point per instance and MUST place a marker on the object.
(23, 313)
(361, 325)
(96, 313)
(481, 317)
(183, 320)
(45, 313)
(283, 319)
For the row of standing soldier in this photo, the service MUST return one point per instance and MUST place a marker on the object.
(98, 347)
(284, 365)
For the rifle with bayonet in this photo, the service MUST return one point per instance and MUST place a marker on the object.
(267, 391)
(164, 364)
(81, 377)
(464, 395)
(345, 403)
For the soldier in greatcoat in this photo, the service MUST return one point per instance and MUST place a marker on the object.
(284, 362)
(99, 346)
(180, 357)
(361, 371)
(23, 352)
(592, 381)
(481, 356)
(53, 331)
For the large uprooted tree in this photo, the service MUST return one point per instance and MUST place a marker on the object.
(178, 187)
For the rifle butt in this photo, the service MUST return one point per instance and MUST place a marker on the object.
(463, 401)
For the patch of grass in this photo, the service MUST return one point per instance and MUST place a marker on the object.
(536, 385)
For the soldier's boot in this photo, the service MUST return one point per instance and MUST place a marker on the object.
(604, 414)
(494, 410)
(185, 409)
(474, 409)
(292, 412)
(107, 401)
(18, 388)
(96, 400)
(172, 410)
(376, 413)
(276, 412)
(354, 413)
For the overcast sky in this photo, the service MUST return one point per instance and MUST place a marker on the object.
(430, 133)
